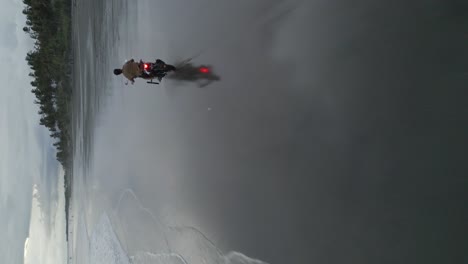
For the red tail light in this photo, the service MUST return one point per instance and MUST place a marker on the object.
(204, 70)
(145, 66)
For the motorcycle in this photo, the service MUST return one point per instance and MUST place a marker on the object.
(156, 70)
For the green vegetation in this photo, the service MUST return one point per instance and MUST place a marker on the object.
(49, 24)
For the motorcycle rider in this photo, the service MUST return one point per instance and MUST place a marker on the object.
(130, 70)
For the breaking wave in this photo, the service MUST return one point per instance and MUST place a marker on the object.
(111, 239)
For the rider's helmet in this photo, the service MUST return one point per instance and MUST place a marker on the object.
(117, 71)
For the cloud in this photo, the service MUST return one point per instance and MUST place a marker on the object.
(21, 157)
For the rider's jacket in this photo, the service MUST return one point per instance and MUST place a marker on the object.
(131, 69)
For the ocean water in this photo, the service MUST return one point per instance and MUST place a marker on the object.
(334, 134)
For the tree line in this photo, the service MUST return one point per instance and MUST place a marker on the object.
(48, 24)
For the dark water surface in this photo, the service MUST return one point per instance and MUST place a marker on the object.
(337, 133)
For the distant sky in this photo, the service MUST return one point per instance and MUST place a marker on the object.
(24, 145)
